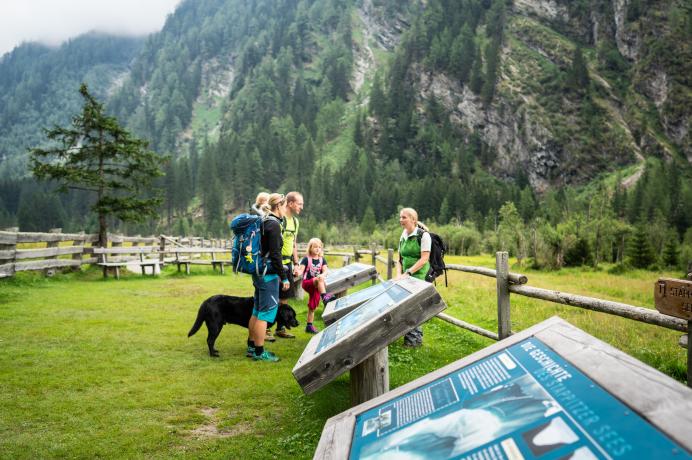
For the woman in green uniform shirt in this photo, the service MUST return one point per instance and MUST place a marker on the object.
(414, 252)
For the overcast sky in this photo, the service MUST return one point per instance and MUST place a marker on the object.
(54, 21)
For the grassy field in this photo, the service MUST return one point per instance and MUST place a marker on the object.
(103, 368)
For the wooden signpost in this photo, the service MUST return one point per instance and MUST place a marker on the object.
(674, 298)
(341, 279)
(550, 391)
(365, 332)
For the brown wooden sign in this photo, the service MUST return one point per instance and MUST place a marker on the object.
(674, 297)
(352, 339)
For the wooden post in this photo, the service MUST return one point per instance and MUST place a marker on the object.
(504, 323)
(8, 252)
(80, 244)
(373, 250)
(390, 263)
(370, 378)
(689, 354)
(52, 244)
(162, 250)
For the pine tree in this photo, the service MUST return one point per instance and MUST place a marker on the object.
(670, 251)
(640, 252)
(476, 82)
(578, 74)
(368, 223)
(97, 155)
(492, 58)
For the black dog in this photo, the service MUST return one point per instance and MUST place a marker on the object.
(221, 309)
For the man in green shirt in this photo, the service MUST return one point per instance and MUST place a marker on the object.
(289, 251)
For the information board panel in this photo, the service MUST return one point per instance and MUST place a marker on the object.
(364, 331)
(552, 393)
(340, 279)
(340, 307)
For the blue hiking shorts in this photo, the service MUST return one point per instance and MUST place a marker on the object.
(266, 297)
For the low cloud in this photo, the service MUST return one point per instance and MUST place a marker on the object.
(54, 21)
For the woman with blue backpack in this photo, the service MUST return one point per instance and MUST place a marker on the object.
(414, 254)
(267, 283)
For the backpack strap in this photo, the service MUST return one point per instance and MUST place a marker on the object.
(307, 269)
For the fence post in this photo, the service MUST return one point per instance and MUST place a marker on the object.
(80, 244)
(52, 244)
(504, 323)
(373, 249)
(689, 336)
(162, 249)
(689, 354)
(8, 252)
(390, 263)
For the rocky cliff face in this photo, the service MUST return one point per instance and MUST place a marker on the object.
(546, 141)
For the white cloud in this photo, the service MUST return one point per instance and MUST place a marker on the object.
(54, 21)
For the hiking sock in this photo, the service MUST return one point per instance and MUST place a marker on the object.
(322, 294)
(250, 343)
(259, 351)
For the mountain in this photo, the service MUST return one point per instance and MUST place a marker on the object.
(454, 107)
(37, 88)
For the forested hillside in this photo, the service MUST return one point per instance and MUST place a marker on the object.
(556, 129)
(38, 88)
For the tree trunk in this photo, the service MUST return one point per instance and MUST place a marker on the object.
(103, 226)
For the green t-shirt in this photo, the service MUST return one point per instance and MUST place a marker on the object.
(289, 232)
(410, 252)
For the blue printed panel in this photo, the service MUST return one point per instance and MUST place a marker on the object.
(361, 315)
(362, 295)
(525, 402)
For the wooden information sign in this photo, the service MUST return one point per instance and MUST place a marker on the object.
(340, 307)
(340, 279)
(674, 297)
(365, 331)
(549, 392)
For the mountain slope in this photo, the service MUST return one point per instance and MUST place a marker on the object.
(38, 88)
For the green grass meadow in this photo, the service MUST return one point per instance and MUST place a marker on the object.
(94, 368)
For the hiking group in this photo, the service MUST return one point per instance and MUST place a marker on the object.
(265, 246)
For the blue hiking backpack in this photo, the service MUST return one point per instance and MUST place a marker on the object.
(246, 255)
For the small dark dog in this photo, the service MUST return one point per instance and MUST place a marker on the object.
(221, 309)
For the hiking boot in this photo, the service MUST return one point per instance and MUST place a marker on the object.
(327, 298)
(266, 356)
(284, 335)
(311, 329)
(269, 337)
(250, 352)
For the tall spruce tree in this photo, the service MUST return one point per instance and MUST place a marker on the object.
(97, 155)
(641, 254)
(578, 74)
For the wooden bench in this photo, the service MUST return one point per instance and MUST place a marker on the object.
(117, 261)
(184, 256)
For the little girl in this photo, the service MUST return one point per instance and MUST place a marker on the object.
(314, 271)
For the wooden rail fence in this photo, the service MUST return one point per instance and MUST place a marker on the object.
(514, 283)
(30, 251)
(57, 255)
